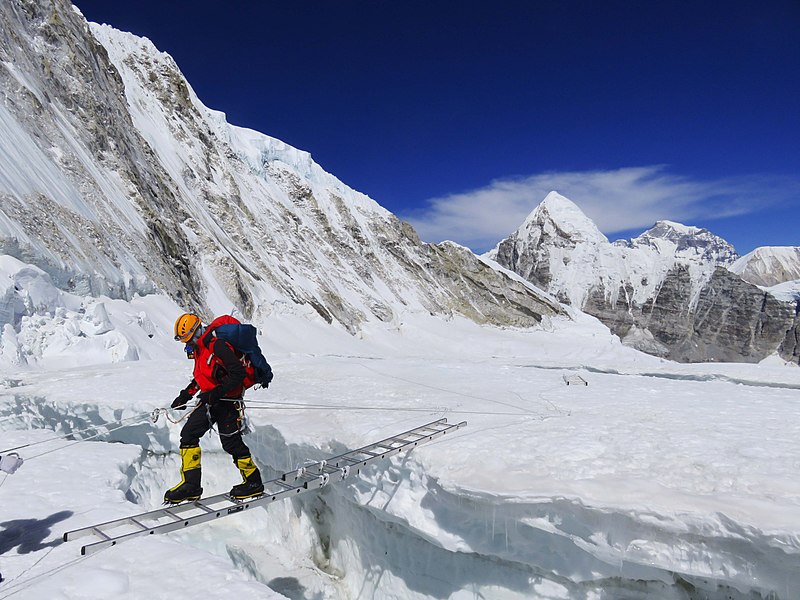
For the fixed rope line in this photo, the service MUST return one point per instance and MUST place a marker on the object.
(265, 405)
(439, 389)
(33, 566)
(165, 411)
(86, 439)
(26, 584)
(66, 435)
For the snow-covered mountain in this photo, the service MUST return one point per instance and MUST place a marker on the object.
(117, 180)
(667, 291)
(769, 266)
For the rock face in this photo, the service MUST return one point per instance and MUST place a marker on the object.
(666, 292)
(117, 180)
(790, 347)
(735, 321)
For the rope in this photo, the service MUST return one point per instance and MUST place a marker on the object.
(66, 435)
(28, 583)
(165, 411)
(434, 409)
(439, 389)
(91, 437)
(33, 566)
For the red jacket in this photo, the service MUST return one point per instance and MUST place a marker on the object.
(217, 363)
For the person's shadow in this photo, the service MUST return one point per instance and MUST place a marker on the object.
(28, 535)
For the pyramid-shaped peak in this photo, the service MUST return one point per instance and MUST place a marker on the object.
(564, 215)
(555, 203)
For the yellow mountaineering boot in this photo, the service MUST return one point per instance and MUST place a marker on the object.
(189, 487)
(251, 479)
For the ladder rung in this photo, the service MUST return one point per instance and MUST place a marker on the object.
(372, 454)
(139, 523)
(392, 443)
(100, 533)
(286, 485)
(432, 429)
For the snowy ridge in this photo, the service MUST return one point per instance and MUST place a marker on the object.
(788, 291)
(769, 266)
(558, 212)
(559, 248)
(144, 189)
(667, 292)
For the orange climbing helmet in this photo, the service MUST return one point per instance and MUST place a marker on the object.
(185, 327)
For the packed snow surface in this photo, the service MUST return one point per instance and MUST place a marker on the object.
(653, 480)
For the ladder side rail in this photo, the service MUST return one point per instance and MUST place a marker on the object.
(153, 514)
(331, 470)
(354, 466)
(189, 521)
(337, 460)
(405, 433)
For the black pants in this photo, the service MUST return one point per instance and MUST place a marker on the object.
(225, 415)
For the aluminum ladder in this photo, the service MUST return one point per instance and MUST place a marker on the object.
(309, 477)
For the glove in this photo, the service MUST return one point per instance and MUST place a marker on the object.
(211, 396)
(266, 380)
(180, 402)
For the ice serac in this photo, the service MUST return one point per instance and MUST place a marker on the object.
(667, 292)
(117, 180)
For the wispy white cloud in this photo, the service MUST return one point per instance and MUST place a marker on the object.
(619, 200)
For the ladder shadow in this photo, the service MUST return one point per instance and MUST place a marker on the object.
(29, 535)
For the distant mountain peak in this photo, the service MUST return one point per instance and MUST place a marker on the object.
(769, 265)
(688, 241)
(559, 215)
(667, 227)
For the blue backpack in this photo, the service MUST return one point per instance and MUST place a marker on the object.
(243, 338)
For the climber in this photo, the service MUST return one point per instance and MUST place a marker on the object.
(221, 375)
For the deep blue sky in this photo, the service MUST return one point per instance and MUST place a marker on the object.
(409, 101)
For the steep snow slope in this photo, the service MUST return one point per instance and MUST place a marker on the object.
(117, 180)
(769, 266)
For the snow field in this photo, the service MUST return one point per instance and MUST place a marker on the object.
(654, 479)
(572, 489)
